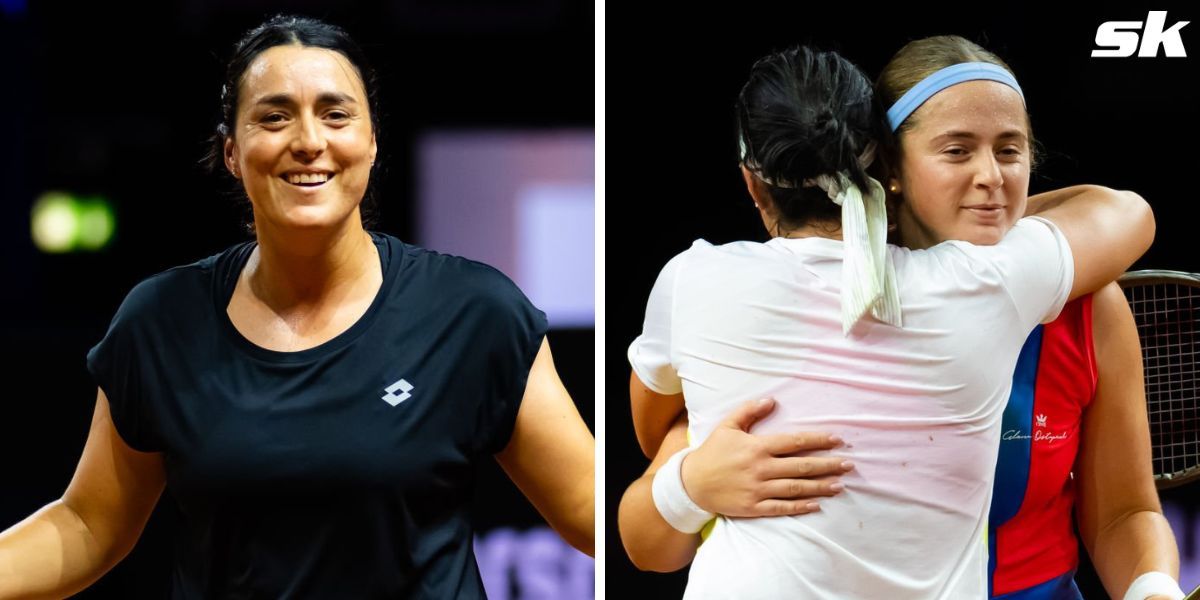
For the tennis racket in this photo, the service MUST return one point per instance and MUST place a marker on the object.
(1166, 307)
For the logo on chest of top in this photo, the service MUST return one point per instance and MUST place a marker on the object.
(1040, 434)
(402, 386)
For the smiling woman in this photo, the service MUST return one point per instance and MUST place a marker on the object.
(303, 143)
(313, 109)
(261, 384)
(938, 168)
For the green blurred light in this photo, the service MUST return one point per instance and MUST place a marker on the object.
(96, 224)
(63, 223)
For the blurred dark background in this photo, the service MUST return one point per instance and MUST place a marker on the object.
(117, 102)
(1127, 123)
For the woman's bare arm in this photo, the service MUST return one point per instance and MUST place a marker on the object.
(552, 456)
(732, 473)
(70, 543)
(651, 543)
(1107, 230)
(653, 414)
(1120, 519)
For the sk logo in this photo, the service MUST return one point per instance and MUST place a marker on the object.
(1120, 38)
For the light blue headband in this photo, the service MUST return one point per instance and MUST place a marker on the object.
(943, 79)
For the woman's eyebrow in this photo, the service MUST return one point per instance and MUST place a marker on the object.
(1013, 134)
(285, 99)
(969, 135)
(957, 134)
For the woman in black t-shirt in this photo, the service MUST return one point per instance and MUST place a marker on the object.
(229, 379)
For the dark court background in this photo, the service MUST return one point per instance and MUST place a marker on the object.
(1127, 123)
(118, 101)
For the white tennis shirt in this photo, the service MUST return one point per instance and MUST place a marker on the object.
(919, 406)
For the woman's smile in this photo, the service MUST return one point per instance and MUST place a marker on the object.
(987, 214)
(307, 183)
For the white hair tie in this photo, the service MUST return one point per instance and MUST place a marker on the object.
(868, 275)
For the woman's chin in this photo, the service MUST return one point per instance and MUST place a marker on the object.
(313, 216)
(985, 234)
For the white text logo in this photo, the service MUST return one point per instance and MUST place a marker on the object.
(1121, 37)
(1013, 435)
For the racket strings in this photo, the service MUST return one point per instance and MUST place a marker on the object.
(1168, 317)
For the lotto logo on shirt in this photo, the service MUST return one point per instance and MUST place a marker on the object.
(402, 386)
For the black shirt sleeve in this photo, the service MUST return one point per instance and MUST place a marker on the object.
(116, 364)
(513, 333)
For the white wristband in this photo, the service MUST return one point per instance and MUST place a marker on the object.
(1154, 583)
(672, 501)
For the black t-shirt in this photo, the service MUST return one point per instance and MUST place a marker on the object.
(341, 471)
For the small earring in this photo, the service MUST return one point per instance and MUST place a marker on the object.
(895, 189)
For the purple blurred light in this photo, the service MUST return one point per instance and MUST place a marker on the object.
(533, 565)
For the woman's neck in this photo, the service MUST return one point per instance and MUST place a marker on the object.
(913, 235)
(831, 230)
(295, 268)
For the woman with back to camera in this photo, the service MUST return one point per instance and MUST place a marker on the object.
(1077, 387)
(316, 400)
(916, 388)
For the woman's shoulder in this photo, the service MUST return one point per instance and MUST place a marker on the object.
(451, 268)
(738, 254)
(705, 261)
(176, 286)
(445, 275)
(735, 249)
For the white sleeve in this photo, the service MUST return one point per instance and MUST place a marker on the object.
(650, 353)
(1036, 267)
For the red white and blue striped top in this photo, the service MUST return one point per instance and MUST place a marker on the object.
(1033, 548)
